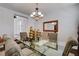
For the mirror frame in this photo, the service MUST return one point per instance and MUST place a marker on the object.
(55, 26)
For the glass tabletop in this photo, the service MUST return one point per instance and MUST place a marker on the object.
(42, 47)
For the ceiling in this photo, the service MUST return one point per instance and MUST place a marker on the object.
(27, 8)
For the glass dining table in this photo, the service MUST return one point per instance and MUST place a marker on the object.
(42, 47)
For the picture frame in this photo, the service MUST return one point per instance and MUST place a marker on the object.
(50, 26)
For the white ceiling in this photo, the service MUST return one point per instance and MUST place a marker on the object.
(27, 8)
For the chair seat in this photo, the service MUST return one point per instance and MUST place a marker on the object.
(21, 45)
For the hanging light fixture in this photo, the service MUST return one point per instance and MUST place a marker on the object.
(37, 14)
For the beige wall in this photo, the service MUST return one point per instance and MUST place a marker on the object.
(67, 24)
(7, 21)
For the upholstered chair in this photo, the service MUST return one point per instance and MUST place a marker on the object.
(44, 35)
(13, 49)
(23, 36)
(69, 46)
(52, 37)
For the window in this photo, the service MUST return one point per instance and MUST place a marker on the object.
(19, 25)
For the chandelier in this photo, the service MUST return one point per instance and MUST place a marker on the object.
(36, 14)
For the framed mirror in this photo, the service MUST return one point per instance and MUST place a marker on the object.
(50, 26)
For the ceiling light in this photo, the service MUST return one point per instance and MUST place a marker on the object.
(36, 15)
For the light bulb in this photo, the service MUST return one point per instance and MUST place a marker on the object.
(34, 13)
(39, 13)
(31, 15)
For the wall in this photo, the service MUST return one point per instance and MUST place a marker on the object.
(67, 24)
(7, 21)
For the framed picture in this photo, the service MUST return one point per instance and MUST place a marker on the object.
(50, 26)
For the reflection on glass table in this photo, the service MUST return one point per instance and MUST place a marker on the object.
(42, 47)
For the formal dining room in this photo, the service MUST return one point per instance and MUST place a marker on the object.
(39, 29)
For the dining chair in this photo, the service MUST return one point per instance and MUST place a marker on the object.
(69, 46)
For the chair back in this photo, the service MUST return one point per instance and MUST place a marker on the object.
(52, 37)
(69, 46)
(23, 36)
